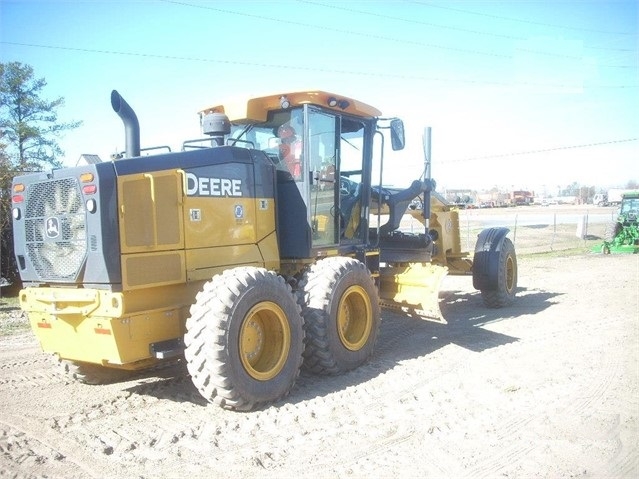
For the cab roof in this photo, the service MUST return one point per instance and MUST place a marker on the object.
(256, 110)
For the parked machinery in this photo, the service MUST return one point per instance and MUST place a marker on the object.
(622, 236)
(267, 247)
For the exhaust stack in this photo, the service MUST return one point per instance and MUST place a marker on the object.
(131, 124)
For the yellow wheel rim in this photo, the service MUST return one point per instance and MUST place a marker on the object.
(354, 318)
(510, 273)
(265, 340)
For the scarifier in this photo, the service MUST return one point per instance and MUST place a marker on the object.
(266, 247)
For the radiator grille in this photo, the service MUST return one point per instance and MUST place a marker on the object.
(55, 229)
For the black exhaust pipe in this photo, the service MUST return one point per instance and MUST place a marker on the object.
(131, 124)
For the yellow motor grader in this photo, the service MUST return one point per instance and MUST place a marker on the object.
(266, 247)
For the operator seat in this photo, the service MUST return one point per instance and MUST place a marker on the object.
(350, 209)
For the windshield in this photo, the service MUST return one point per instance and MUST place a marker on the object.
(629, 204)
(282, 128)
(251, 136)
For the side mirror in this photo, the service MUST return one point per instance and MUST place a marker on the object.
(397, 134)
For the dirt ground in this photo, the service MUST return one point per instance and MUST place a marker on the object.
(546, 388)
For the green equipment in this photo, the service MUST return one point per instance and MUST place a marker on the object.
(622, 236)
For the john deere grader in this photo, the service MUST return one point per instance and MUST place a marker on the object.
(269, 246)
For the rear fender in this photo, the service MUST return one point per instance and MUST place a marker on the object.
(486, 259)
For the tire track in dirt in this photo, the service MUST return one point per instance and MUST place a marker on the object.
(625, 465)
(131, 423)
(156, 419)
(28, 361)
(589, 400)
(26, 444)
(379, 396)
(494, 461)
(34, 379)
(299, 421)
(411, 410)
(457, 364)
(20, 453)
(28, 371)
(513, 427)
(514, 430)
(593, 401)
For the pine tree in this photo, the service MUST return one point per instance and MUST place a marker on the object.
(29, 130)
(29, 123)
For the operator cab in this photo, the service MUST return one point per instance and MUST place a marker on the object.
(321, 145)
(323, 154)
(629, 207)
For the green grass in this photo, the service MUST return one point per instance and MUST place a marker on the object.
(9, 302)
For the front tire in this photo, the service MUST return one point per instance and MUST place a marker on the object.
(244, 339)
(341, 313)
(504, 293)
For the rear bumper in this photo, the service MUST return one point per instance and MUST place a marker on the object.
(93, 326)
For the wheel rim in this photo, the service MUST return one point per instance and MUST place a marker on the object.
(510, 273)
(354, 318)
(265, 340)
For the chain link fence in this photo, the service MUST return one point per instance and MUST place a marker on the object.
(535, 229)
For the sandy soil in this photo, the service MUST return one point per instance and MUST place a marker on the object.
(546, 388)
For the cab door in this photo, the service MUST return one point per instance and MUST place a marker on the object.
(321, 149)
(337, 196)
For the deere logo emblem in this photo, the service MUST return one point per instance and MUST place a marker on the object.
(53, 227)
(239, 212)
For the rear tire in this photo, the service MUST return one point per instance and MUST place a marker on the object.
(244, 339)
(612, 230)
(504, 294)
(341, 311)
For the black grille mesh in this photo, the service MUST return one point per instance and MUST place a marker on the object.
(62, 257)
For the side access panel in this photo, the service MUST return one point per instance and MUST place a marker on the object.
(151, 233)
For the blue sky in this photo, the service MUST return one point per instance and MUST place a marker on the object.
(521, 94)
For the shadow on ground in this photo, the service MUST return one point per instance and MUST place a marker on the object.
(401, 338)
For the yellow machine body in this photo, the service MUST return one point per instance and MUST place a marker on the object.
(170, 243)
(144, 234)
(444, 220)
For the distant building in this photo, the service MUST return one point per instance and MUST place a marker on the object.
(493, 199)
(521, 197)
